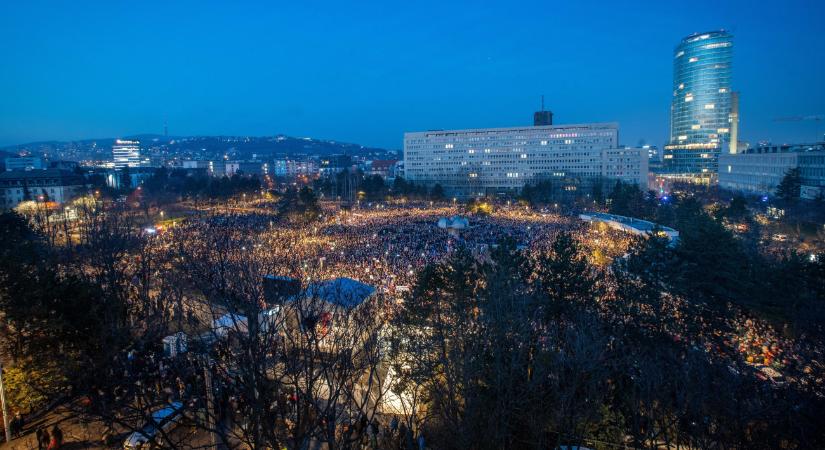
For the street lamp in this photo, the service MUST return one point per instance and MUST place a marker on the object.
(6, 424)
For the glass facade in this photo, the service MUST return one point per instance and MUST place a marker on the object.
(700, 121)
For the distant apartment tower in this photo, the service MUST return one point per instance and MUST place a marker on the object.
(290, 168)
(484, 161)
(701, 107)
(126, 153)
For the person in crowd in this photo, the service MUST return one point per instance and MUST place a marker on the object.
(43, 439)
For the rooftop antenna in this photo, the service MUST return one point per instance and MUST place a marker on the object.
(542, 102)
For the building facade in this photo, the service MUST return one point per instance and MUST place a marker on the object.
(42, 185)
(215, 168)
(701, 108)
(760, 170)
(126, 153)
(291, 168)
(249, 168)
(24, 163)
(485, 161)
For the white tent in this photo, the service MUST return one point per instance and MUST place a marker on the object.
(230, 322)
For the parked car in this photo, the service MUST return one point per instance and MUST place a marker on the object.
(163, 421)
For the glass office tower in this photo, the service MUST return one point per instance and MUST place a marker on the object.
(700, 113)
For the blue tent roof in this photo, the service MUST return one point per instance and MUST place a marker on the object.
(344, 292)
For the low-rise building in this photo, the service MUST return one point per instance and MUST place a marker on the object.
(215, 168)
(759, 170)
(252, 168)
(46, 185)
(24, 163)
(385, 168)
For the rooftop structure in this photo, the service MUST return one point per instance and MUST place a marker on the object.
(341, 292)
(631, 225)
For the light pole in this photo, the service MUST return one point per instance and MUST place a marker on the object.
(6, 424)
(211, 420)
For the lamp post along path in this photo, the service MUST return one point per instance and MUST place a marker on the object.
(6, 424)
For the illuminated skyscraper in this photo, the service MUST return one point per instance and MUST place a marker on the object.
(700, 112)
(126, 153)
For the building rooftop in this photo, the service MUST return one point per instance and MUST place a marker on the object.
(582, 126)
(344, 292)
(636, 226)
(785, 148)
(704, 35)
(36, 174)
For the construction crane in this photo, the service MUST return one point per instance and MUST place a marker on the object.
(817, 118)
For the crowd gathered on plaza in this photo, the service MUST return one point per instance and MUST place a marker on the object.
(386, 244)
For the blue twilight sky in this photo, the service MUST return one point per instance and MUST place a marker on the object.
(367, 71)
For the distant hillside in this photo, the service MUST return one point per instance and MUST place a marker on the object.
(275, 145)
(237, 146)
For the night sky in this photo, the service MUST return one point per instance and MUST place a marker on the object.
(367, 71)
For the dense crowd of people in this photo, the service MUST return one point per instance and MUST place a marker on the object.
(385, 245)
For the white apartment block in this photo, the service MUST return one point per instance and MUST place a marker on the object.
(497, 160)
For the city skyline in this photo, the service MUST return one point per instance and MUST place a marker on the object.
(260, 71)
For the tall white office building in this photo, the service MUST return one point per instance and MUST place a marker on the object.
(498, 160)
(126, 153)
